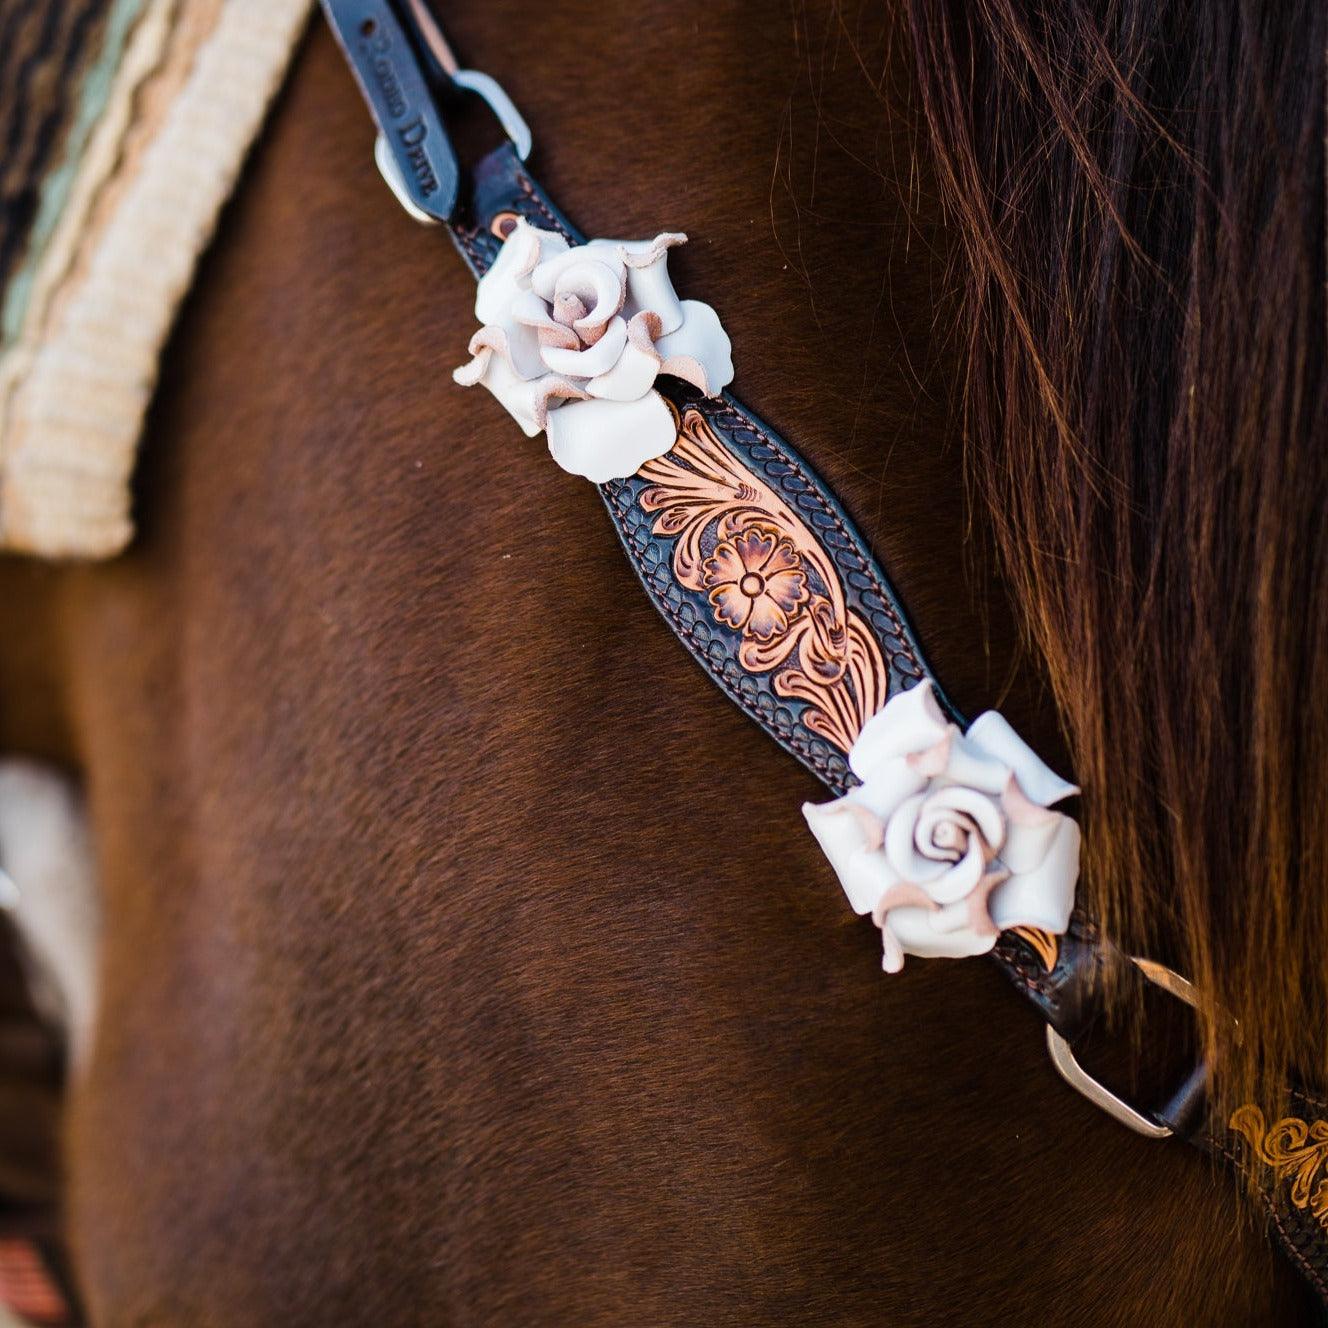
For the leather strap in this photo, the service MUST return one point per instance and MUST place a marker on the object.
(811, 694)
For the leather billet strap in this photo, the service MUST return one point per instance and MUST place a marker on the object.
(812, 687)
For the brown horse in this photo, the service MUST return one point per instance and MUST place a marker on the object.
(464, 961)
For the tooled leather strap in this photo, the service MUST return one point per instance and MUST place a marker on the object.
(812, 687)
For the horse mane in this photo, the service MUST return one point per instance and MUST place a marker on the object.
(1139, 193)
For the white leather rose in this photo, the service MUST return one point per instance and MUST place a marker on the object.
(574, 337)
(950, 837)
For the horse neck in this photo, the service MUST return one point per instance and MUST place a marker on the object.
(436, 877)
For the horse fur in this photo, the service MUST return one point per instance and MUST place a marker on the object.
(463, 960)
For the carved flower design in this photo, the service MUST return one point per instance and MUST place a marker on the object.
(573, 338)
(950, 837)
(756, 581)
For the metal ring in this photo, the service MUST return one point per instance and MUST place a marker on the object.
(514, 125)
(1074, 1074)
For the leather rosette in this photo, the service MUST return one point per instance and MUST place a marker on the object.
(950, 838)
(573, 338)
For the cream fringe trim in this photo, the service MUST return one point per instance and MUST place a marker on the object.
(76, 400)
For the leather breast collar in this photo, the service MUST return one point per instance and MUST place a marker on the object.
(811, 696)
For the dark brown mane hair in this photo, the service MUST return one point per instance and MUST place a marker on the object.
(1140, 193)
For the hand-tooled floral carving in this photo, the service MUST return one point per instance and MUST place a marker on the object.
(950, 837)
(756, 581)
(574, 337)
(1293, 1149)
(733, 531)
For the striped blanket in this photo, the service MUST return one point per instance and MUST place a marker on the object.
(125, 126)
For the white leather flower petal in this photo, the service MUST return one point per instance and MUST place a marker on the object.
(527, 400)
(523, 250)
(950, 837)
(595, 359)
(598, 439)
(630, 378)
(592, 325)
(1042, 896)
(911, 722)
(700, 350)
(993, 737)
(648, 283)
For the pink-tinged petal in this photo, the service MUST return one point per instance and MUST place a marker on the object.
(526, 400)
(522, 251)
(902, 898)
(689, 370)
(973, 768)
(650, 287)
(567, 308)
(977, 904)
(767, 618)
(931, 761)
(633, 376)
(515, 343)
(698, 350)
(645, 253)
(1043, 897)
(590, 363)
(863, 873)
(731, 606)
(544, 279)
(940, 935)
(530, 311)
(1028, 844)
(723, 565)
(600, 291)
(787, 588)
(908, 722)
(873, 828)
(954, 883)
(610, 440)
(550, 390)
(892, 953)
(890, 784)
(1022, 810)
(992, 735)
(902, 894)
(467, 375)
(908, 864)
(951, 801)
(643, 331)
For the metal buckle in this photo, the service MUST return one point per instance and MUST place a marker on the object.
(504, 111)
(404, 66)
(483, 85)
(1074, 1074)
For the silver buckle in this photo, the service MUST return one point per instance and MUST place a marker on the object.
(499, 103)
(1081, 1081)
(502, 106)
(514, 125)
